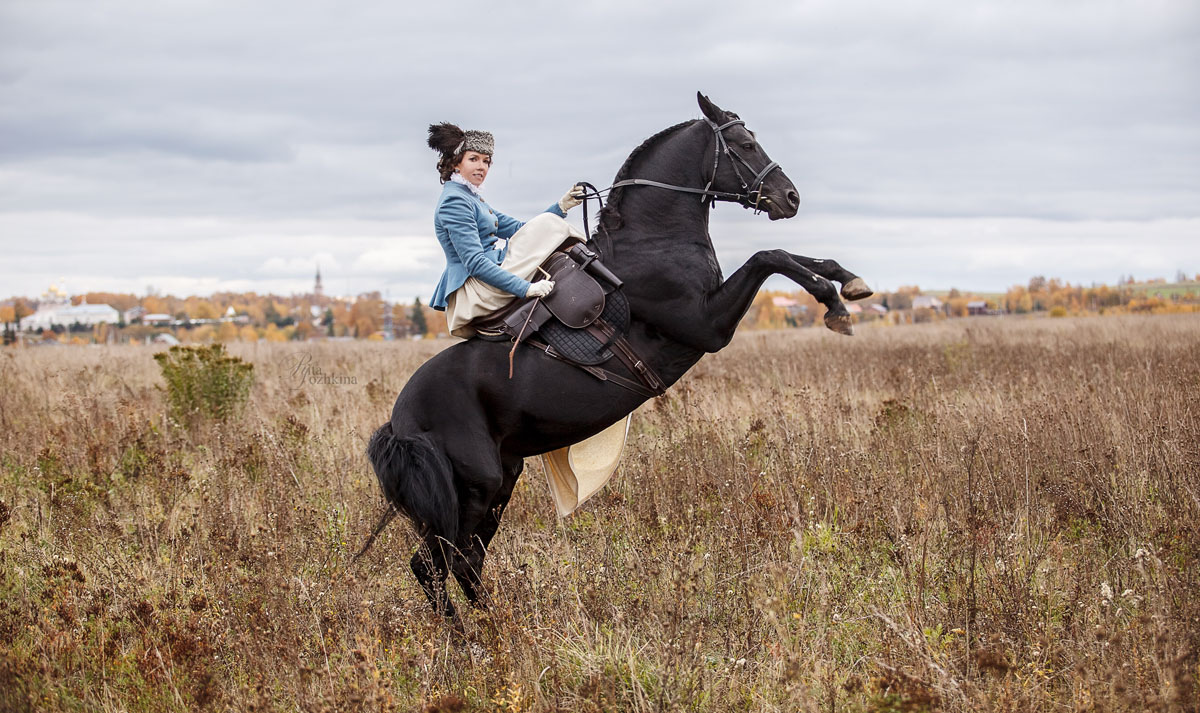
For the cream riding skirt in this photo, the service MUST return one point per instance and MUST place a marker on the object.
(527, 249)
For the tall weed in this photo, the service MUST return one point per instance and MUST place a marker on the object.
(203, 382)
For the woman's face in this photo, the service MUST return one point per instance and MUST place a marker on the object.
(474, 167)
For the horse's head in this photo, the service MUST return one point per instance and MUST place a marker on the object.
(744, 166)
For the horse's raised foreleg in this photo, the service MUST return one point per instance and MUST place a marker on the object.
(725, 307)
(853, 286)
(468, 569)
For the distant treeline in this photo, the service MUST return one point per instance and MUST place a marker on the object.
(771, 309)
(254, 317)
(248, 316)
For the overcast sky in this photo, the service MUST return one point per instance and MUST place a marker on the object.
(205, 146)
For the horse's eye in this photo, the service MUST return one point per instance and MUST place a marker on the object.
(749, 145)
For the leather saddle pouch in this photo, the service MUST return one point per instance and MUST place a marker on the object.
(577, 299)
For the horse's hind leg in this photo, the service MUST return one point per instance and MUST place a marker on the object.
(468, 569)
(853, 286)
(480, 507)
(430, 568)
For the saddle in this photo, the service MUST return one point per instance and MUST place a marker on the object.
(582, 322)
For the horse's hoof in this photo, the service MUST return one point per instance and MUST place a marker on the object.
(840, 323)
(856, 289)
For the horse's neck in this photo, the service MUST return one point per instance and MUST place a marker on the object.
(657, 223)
(663, 240)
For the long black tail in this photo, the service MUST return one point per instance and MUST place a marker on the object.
(417, 479)
(388, 516)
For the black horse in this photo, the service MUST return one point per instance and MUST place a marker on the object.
(461, 428)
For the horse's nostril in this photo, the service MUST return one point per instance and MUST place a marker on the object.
(793, 199)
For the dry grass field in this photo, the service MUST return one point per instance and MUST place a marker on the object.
(978, 515)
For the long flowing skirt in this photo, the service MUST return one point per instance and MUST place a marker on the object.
(527, 249)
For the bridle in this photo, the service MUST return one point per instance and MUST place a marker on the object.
(721, 146)
(751, 194)
(750, 197)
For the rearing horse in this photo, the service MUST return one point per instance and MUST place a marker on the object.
(461, 428)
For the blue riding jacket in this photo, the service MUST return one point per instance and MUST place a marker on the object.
(468, 229)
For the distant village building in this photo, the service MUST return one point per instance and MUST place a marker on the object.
(231, 315)
(926, 302)
(133, 314)
(157, 318)
(55, 308)
(318, 289)
(793, 307)
(979, 308)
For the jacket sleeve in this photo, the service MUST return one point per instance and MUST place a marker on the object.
(457, 214)
(507, 226)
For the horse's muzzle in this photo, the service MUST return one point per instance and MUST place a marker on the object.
(778, 207)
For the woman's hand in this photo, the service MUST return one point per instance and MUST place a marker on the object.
(573, 198)
(541, 288)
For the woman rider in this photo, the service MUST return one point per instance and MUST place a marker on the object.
(491, 258)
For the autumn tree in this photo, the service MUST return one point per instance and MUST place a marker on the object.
(155, 305)
(1018, 300)
(227, 332)
(199, 308)
(401, 319)
(366, 314)
(276, 313)
(202, 334)
(435, 321)
(418, 318)
(304, 331)
(274, 334)
(118, 301)
(902, 298)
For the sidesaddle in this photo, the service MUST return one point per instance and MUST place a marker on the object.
(583, 321)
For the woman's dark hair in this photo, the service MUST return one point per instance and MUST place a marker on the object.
(445, 138)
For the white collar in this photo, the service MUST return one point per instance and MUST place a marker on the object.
(457, 178)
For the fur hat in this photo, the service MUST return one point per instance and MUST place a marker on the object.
(449, 140)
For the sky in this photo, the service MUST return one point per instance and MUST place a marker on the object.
(194, 147)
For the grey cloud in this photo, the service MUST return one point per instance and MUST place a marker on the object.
(47, 136)
(143, 120)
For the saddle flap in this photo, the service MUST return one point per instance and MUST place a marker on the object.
(577, 299)
(521, 323)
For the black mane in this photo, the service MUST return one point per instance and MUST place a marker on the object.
(610, 216)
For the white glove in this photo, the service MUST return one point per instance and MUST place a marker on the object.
(573, 198)
(541, 288)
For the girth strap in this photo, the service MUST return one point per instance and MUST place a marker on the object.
(625, 352)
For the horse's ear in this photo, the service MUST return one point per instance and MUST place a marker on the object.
(714, 113)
